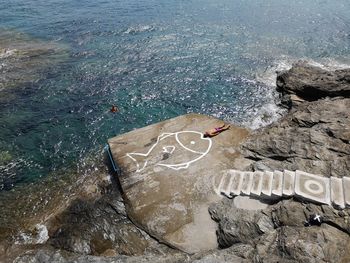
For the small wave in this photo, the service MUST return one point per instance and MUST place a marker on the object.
(271, 112)
(329, 64)
(269, 75)
(9, 171)
(265, 115)
(139, 29)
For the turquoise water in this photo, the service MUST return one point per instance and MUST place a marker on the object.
(155, 60)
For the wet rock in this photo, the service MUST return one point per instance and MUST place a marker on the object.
(5, 157)
(24, 59)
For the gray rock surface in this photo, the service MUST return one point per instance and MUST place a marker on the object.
(278, 234)
(313, 137)
(57, 256)
(311, 83)
(96, 228)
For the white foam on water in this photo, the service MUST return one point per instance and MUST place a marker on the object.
(330, 64)
(39, 236)
(269, 75)
(139, 29)
(265, 115)
(271, 112)
(43, 234)
(5, 53)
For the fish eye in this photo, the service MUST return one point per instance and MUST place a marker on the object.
(193, 142)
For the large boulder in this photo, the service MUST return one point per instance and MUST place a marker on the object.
(312, 83)
(314, 138)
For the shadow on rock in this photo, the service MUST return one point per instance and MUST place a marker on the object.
(98, 228)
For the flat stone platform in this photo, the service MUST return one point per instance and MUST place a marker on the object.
(168, 173)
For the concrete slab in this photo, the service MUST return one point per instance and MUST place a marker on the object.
(346, 189)
(288, 183)
(277, 184)
(312, 187)
(257, 183)
(218, 182)
(266, 188)
(169, 173)
(237, 182)
(227, 181)
(337, 193)
(247, 183)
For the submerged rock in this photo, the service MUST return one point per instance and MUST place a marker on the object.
(5, 157)
(24, 59)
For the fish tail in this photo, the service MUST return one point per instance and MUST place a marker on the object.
(140, 160)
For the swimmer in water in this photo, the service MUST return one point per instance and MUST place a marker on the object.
(114, 109)
(215, 131)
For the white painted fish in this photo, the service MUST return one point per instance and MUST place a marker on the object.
(171, 150)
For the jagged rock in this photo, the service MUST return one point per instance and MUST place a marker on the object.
(47, 254)
(312, 83)
(238, 225)
(314, 138)
(314, 244)
(278, 234)
(98, 228)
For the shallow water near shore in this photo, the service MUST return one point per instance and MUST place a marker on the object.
(155, 60)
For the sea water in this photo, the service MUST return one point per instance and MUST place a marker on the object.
(154, 59)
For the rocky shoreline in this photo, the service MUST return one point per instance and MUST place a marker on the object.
(314, 136)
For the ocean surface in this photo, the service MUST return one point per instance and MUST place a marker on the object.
(154, 59)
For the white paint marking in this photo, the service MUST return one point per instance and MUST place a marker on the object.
(318, 218)
(319, 187)
(170, 149)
